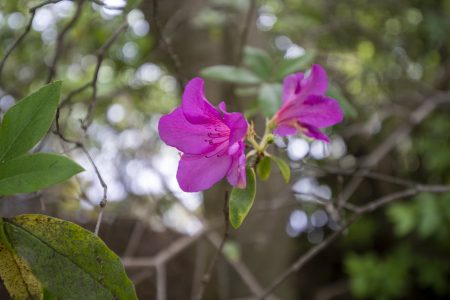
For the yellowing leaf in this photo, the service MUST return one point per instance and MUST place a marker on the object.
(69, 261)
(17, 276)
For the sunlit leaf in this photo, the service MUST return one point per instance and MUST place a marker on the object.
(28, 121)
(30, 173)
(404, 217)
(241, 200)
(230, 74)
(69, 261)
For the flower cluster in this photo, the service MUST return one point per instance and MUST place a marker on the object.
(212, 140)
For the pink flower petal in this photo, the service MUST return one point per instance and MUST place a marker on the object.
(196, 107)
(316, 83)
(318, 111)
(236, 122)
(198, 172)
(314, 132)
(291, 86)
(285, 130)
(177, 132)
(321, 111)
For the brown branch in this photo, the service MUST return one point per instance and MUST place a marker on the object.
(60, 41)
(370, 207)
(27, 30)
(104, 5)
(80, 145)
(245, 32)
(402, 131)
(168, 45)
(207, 276)
(164, 255)
(161, 282)
(86, 122)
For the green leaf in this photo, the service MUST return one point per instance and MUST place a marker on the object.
(29, 173)
(230, 74)
(247, 91)
(241, 200)
(232, 251)
(131, 4)
(284, 168)
(69, 261)
(292, 65)
(17, 277)
(263, 168)
(347, 107)
(269, 98)
(28, 121)
(259, 62)
(404, 217)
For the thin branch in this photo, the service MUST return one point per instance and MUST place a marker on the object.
(25, 32)
(60, 41)
(168, 45)
(245, 32)
(164, 255)
(107, 6)
(207, 276)
(402, 131)
(370, 207)
(85, 123)
(161, 282)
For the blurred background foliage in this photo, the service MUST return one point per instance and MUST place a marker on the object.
(384, 59)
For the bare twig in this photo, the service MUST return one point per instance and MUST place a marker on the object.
(207, 275)
(107, 6)
(60, 41)
(402, 131)
(168, 45)
(80, 145)
(100, 56)
(245, 32)
(370, 207)
(25, 32)
(86, 122)
(161, 282)
(164, 255)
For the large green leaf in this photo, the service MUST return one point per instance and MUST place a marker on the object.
(230, 74)
(69, 261)
(292, 65)
(28, 121)
(29, 173)
(241, 200)
(269, 98)
(259, 62)
(17, 277)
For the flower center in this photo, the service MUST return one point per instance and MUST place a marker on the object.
(218, 135)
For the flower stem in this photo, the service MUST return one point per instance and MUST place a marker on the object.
(260, 148)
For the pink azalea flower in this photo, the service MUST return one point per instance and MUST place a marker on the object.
(305, 107)
(211, 141)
